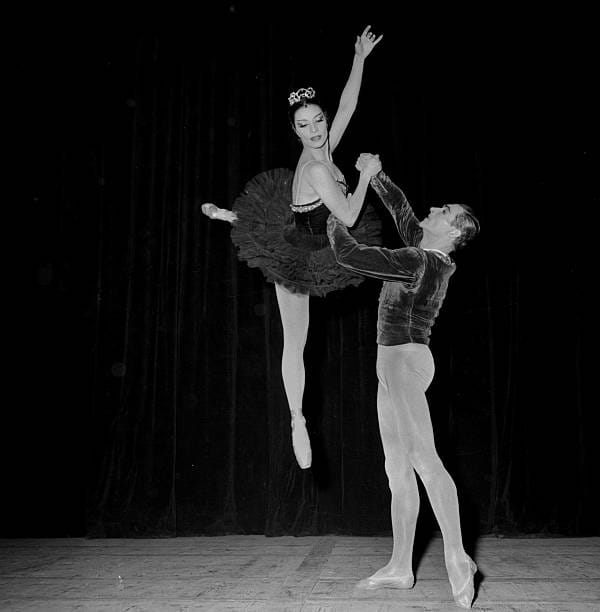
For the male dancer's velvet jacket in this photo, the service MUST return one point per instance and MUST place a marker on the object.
(415, 279)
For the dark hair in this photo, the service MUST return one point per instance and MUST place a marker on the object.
(467, 223)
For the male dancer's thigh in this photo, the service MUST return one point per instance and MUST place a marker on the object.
(404, 372)
(396, 458)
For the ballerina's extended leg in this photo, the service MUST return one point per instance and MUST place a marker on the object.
(294, 311)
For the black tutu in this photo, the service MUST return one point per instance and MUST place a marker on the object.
(267, 237)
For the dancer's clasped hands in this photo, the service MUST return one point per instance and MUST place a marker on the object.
(368, 163)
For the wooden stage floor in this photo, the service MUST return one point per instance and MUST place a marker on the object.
(308, 574)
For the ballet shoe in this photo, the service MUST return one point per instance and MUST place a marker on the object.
(210, 210)
(301, 442)
(214, 212)
(464, 597)
(389, 582)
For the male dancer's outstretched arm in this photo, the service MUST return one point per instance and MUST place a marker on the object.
(395, 201)
(403, 265)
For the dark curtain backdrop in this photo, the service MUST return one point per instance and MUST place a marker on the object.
(152, 396)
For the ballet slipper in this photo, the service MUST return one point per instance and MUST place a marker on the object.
(210, 210)
(464, 597)
(214, 212)
(387, 582)
(301, 441)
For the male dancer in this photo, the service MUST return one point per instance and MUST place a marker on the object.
(415, 283)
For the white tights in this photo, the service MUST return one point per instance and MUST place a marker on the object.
(404, 373)
(293, 308)
(294, 312)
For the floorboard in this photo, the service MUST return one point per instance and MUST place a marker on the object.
(304, 574)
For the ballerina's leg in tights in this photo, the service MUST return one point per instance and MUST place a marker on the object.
(408, 442)
(294, 312)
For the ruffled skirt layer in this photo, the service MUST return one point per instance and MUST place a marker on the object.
(266, 237)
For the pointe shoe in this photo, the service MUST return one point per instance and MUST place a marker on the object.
(210, 210)
(214, 212)
(301, 442)
(390, 582)
(464, 597)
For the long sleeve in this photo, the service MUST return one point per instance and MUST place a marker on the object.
(395, 201)
(404, 265)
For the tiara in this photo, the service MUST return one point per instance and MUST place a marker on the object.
(297, 96)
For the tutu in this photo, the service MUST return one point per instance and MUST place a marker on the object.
(267, 237)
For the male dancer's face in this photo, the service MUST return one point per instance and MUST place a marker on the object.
(439, 220)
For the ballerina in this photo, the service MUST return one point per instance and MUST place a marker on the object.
(279, 224)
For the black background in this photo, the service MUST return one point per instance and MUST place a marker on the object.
(146, 378)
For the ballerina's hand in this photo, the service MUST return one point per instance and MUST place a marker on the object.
(365, 42)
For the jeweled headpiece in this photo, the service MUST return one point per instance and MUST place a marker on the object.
(301, 94)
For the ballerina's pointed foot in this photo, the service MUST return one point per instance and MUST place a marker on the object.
(214, 212)
(464, 597)
(301, 442)
(210, 210)
(390, 581)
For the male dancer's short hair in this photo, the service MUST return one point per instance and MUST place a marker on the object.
(467, 223)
